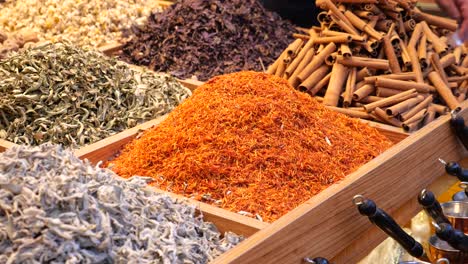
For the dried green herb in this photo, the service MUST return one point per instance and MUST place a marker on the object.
(207, 38)
(62, 94)
(56, 208)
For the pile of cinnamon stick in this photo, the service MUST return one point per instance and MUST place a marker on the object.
(382, 60)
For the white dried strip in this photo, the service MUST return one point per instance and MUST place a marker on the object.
(54, 208)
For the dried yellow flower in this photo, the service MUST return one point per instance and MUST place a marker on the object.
(83, 22)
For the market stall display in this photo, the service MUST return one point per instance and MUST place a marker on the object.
(208, 38)
(57, 208)
(383, 61)
(84, 23)
(243, 137)
(282, 164)
(63, 94)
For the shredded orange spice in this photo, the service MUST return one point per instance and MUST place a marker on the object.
(249, 142)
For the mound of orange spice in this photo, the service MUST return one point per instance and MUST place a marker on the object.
(249, 142)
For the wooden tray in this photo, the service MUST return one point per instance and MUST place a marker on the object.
(328, 224)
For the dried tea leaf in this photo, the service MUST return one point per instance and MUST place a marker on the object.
(59, 93)
(55, 208)
(207, 38)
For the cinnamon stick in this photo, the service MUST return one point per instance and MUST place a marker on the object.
(350, 87)
(422, 105)
(404, 106)
(443, 90)
(335, 86)
(390, 120)
(317, 61)
(351, 113)
(320, 85)
(314, 78)
(363, 62)
(404, 85)
(391, 100)
(362, 92)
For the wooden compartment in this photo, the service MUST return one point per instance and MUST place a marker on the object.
(328, 224)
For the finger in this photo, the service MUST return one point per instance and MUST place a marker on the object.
(463, 4)
(451, 8)
(463, 31)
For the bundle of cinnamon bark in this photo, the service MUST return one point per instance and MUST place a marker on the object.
(382, 60)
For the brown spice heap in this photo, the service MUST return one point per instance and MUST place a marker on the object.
(208, 38)
(249, 142)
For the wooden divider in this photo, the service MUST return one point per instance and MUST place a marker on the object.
(330, 226)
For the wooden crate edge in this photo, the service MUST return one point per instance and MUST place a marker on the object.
(328, 224)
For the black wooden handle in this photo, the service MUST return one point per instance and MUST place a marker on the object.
(458, 125)
(385, 222)
(432, 207)
(316, 261)
(454, 169)
(456, 238)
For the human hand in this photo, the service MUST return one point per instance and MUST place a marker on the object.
(457, 9)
